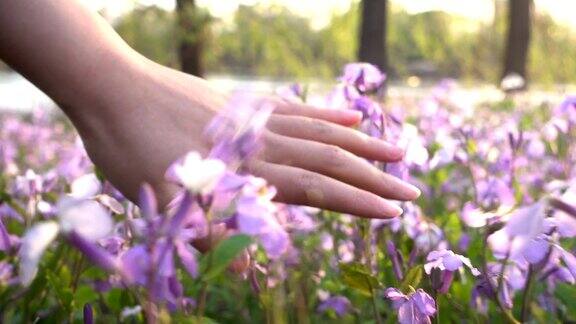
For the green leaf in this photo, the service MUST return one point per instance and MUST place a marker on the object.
(356, 276)
(114, 299)
(61, 288)
(412, 279)
(541, 315)
(216, 262)
(99, 174)
(193, 320)
(567, 295)
(84, 294)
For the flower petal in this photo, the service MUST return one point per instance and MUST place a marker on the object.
(424, 302)
(86, 217)
(34, 243)
(85, 186)
(187, 258)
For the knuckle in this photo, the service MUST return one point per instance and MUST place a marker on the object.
(310, 184)
(308, 180)
(334, 157)
(321, 127)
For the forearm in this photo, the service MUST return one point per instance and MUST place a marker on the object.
(69, 52)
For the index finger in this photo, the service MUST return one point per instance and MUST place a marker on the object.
(337, 116)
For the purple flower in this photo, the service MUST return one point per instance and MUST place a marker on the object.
(88, 315)
(513, 279)
(495, 193)
(295, 218)
(237, 129)
(464, 242)
(372, 116)
(255, 215)
(7, 274)
(447, 262)
(29, 184)
(364, 76)
(474, 217)
(136, 265)
(294, 92)
(564, 221)
(553, 127)
(523, 225)
(569, 261)
(96, 254)
(567, 109)
(339, 304)
(395, 258)
(7, 241)
(416, 308)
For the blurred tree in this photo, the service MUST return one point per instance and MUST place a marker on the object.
(372, 45)
(271, 41)
(552, 52)
(268, 41)
(518, 39)
(193, 27)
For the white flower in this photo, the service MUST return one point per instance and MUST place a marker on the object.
(448, 260)
(89, 187)
(85, 217)
(410, 140)
(34, 242)
(196, 174)
(85, 186)
(130, 311)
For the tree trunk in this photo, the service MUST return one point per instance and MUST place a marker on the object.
(191, 38)
(372, 47)
(516, 55)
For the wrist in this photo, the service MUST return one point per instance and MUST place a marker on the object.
(104, 89)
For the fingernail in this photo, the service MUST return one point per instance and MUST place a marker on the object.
(352, 114)
(390, 209)
(395, 151)
(412, 191)
(396, 210)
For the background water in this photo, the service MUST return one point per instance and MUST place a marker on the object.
(19, 95)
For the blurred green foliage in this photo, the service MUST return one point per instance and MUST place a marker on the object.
(152, 32)
(272, 41)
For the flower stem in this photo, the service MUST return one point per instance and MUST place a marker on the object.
(527, 293)
(204, 289)
(375, 307)
(365, 229)
(507, 313)
(202, 301)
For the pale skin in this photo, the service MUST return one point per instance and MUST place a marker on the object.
(136, 117)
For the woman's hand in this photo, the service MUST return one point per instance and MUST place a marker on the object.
(309, 154)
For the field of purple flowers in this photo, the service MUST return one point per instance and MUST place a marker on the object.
(491, 239)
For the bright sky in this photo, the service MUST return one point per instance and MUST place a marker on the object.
(321, 10)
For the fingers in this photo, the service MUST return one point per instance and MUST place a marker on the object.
(338, 116)
(330, 133)
(339, 164)
(303, 187)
